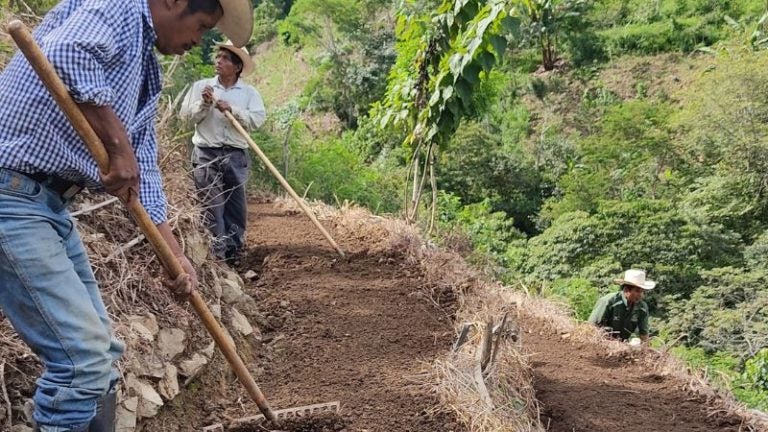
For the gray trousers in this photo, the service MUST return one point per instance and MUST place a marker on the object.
(221, 175)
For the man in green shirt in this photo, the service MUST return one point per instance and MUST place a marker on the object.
(625, 312)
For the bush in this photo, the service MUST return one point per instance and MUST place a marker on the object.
(331, 172)
(580, 294)
(683, 35)
(728, 312)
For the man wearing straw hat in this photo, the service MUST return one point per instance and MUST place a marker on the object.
(103, 50)
(220, 157)
(625, 312)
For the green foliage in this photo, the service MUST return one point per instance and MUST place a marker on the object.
(756, 370)
(490, 232)
(448, 62)
(356, 53)
(756, 254)
(196, 66)
(265, 17)
(36, 7)
(580, 294)
(684, 35)
(476, 166)
(728, 312)
(650, 234)
(545, 22)
(723, 370)
(630, 156)
(331, 172)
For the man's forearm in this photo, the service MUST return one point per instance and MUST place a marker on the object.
(167, 233)
(108, 128)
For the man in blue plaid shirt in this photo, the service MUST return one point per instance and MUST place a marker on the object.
(104, 52)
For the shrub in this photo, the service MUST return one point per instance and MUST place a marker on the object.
(580, 294)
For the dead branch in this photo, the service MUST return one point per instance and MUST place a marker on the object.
(95, 207)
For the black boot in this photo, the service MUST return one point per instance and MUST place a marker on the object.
(104, 421)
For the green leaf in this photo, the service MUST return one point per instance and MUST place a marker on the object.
(511, 25)
(464, 89)
(471, 73)
(499, 44)
(455, 64)
(486, 59)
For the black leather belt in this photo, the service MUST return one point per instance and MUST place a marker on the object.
(67, 189)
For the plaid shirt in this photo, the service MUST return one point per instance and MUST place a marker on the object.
(103, 50)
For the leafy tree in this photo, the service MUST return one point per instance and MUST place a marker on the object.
(476, 166)
(728, 312)
(357, 53)
(545, 22)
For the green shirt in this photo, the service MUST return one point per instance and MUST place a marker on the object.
(612, 311)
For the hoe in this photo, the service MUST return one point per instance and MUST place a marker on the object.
(52, 81)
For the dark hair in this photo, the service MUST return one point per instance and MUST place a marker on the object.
(234, 59)
(208, 7)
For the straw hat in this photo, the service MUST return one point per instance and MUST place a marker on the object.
(241, 53)
(636, 278)
(237, 21)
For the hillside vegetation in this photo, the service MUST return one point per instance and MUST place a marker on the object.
(577, 139)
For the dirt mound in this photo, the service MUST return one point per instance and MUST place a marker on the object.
(582, 389)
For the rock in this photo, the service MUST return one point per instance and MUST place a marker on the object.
(197, 248)
(240, 323)
(248, 306)
(149, 400)
(28, 410)
(216, 311)
(20, 428)
(169, 385)
(170, 343)
(145, 326)
(216, 285)
(231, 291)
(148, 366)
(208, 351)
(250, 275)
(191, 367)
(126, 415)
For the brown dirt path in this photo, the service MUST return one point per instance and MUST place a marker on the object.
(357, 331)
(582, 390)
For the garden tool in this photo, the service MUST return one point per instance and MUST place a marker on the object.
(236, 124)
(55, 86)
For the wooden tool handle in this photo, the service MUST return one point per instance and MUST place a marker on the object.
(236, 124)
(55, 86)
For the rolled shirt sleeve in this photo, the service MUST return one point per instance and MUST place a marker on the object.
(254, 114)
(192, 108)
(79, 48)
(151, 192)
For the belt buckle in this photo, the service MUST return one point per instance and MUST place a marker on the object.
(71, 192)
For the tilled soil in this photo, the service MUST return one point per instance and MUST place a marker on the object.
(357, 330)
(581, 390)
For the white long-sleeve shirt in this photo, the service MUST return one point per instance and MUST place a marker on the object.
(212, 128)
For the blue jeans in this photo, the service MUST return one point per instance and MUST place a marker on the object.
(50, 295)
